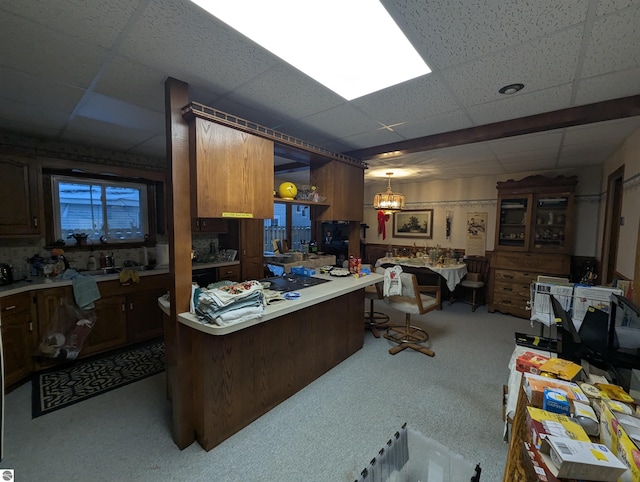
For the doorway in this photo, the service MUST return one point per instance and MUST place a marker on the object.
(611, 232)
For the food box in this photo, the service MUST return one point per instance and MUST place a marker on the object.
(580, 460)
(563, 369)
(535, 466)
(534, 386)
(530, 362)
(614, 435)
(542, 422)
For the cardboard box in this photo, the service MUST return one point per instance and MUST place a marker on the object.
(530, 362)
(614, 435)
(541, 422)
(535, 467)
(534, 386)
(580, 460)
(614, 392)
(563, 369)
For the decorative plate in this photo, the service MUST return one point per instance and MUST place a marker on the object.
(340, 272)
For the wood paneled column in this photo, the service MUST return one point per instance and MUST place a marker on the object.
(178, 336)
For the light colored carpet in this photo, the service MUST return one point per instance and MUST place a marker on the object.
(327, 432)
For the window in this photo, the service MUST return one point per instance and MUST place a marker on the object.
(112, 210)
(297, 232)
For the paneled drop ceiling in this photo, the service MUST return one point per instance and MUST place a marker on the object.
(93, 72)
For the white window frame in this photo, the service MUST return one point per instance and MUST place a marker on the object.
(56, 179)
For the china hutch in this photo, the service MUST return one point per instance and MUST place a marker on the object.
(534, 236)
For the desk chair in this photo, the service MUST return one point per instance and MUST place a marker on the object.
(472, 288)
(374, 319)
(412, 301)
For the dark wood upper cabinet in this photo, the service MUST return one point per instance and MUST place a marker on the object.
(19, 208)
(231, 172)
(343, 185)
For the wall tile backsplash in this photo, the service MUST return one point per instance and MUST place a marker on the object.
(23, 250)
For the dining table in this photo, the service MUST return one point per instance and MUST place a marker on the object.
(451, 273)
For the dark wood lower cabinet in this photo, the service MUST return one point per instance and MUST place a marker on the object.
(124, 314)
(240, 376)
(17, 337)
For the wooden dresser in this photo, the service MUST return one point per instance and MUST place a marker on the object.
(512, 274)
(534, 236)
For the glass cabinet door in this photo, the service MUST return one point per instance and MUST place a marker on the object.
(551, 219)
(512, 225)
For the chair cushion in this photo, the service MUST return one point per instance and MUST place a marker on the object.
(409, 305)
(371, 293)
(472, 284)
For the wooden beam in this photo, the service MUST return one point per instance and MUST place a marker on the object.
(177, 335)
(585, 114)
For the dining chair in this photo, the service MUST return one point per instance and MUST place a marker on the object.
(414, 299)
(472, 289)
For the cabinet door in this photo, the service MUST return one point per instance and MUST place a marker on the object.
(209, 225)
(231, 273)
(252, 251)
(17, 337)
(553, 223)
(19, 213)
(144, 317)
(343, 185)
(48, 301)
(232, 172)
(110, 328)
(512, 226)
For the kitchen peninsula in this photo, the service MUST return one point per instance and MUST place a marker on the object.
(243, 370)
(218, 384)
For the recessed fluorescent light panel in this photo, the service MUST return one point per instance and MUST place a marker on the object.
(352, 47)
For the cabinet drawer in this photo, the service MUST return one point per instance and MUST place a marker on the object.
(520, 277)
(17, 303)
(231, 273)
(512, 290)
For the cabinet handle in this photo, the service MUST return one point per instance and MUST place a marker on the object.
(204, 223)
(12, 307)
(31, 326)
(507, 276)
(35, 222)
(124, 307)
(506, 288)
(131, 306)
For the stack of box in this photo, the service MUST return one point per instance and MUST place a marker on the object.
(559, 448)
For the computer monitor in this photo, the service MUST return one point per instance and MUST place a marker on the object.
(624, 326)
(569, 343)
(594, 337)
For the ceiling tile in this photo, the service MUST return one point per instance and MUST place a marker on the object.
(409, 101)
(31, 48)
(609, 6)
(543, 140)
(40, 91)
(80, 19)
(614, 44)
(541, 64)
(451, 121)
(178, 38)
(608, 86)
(144, 86)
(522, 105)
(449, 32)
(615, 131)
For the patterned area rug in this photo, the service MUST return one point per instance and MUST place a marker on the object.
(59, 388)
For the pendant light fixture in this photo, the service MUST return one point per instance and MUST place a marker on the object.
(389, 202)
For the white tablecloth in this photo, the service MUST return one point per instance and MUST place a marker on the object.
(452, 274)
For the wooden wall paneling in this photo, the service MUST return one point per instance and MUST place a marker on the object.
(179, 234)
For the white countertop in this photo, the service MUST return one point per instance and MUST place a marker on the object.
(217, 264)
(308, 297)
(42, 283)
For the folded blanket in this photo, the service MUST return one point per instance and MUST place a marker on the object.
(237, 316)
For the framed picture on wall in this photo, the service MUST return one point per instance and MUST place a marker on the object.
(413, 224)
